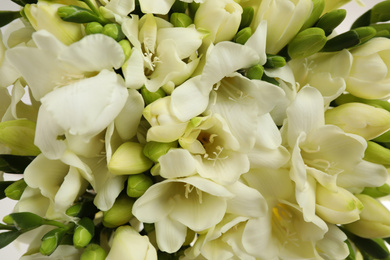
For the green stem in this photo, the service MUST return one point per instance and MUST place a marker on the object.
(7, 227)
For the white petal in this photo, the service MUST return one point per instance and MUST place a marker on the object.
(258, 40)
(133, 70)
(48, 42)
(127, 121)
(247, 202)
(190, 99)
(87, 106)
(121, 7)
(305, 113)
(94, 53)
(226, 58)
(177, 163)
(156, 6)
(170, 235)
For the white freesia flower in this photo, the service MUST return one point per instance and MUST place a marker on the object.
(60, 65)
(369, 77)
(158, 53)
(283, 232)
(129, 244)
(323, 71)
(324, 153)
(220, 18)
(210, 149)
(284, 20)
(65, 252)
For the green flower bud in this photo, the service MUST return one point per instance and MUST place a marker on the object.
(83, 209)
(377, 192)
(138, 184)
(329, 21)
(8, 220)
(361, 119)
(380, 12)
(16, 189)
(3, 186)
(77, 14)
(51, 240)
(348, 98)
(120, 213)
(126, 47)
(150, 97)
(26, 220)
(114, 30)
(83, 233)
(93, 252)
(180, 20)
(376, 153)
(318, 8)
(274, 61)
(306, 43)
(129, 159)
(243, 35)
(365, 33)
(18, 136)
(153, 150)
(255, 72)
(246, 17)
(374, 219)
(93, 28)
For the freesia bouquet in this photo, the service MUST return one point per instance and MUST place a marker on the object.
(205, 129)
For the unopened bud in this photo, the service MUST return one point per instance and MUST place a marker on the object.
(246, 17)
(93, 28)
(83, 209)
(361, 119)
(339, 207)
(114, 30)
(8, 220)
(275, 61)
(93, 252)
(138, 184)
(52, 240)
(329, 21)
(120, 213)
(180, 20)
(376, 153)
(318, 8)
(306, 43)
(18, 135)
(374, 219)
(16, 189)
(150, 97)
(84, 232)
(126, 47)
(377, 192)
(154, 150)
(129, 159)
(243, 35)
(255, 72)
(77, 14)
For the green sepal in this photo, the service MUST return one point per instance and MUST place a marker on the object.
(3, 186)
(180, 20)
(77, 14)
(369, 246)
(8, 16)
(14, 163)
(25, 221)
(329, 21)
(150, 97)
(8, 237)
(270, 80)
(16, 189)
(380, 12)
(306, 43)
(274, 61)
(246, 17)
(24, 2)
(51, 240)
(318, 8)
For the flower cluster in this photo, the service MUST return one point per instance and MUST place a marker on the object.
(205, 129)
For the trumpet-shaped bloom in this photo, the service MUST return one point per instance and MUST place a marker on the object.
(324, 153)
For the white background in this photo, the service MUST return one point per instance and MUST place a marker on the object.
(13, 252)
